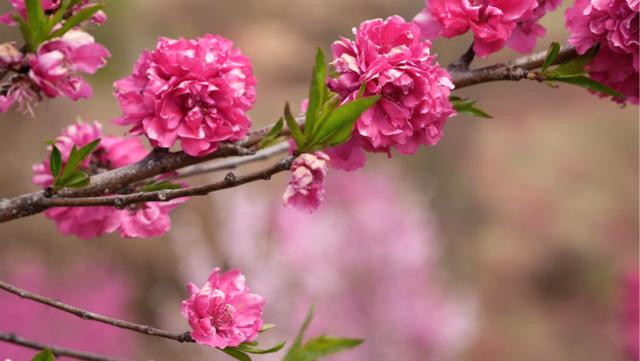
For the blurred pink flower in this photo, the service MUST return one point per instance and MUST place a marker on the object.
(491, 21)
(49, 6)
(56, 66)
(136, 221)
(389, 59)
(89, 284)
(614, 25)
(631, 316)
(305, 190)
(366, 262)
(223, 312)
(192, 90)
(527, 31)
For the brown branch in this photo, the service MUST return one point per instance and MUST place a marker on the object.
(159, 161)
(512, 70)
(86, 315)
(57, 351)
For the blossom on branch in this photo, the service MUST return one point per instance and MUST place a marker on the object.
(56, 66)
(49, 6)
(389, 58)
(305, 190)
(612, 24)
(494, 23)
(195, 91)
(135, 221)
(223, 312)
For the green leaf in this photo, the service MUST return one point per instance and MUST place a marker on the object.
(572, 68)
(79, 17)
(467, 106)
(266, 327)
(44, 355)
(159, 186)
(37, 21)
(260, 351)
(552, 54)
(273, 134)
(590, 84)
(324, 346)
(62, 10)
(299, 337)
(78, 179)
(318, 93)
(338, 126)
(27, 34)
(55, 161)
(75, 159)
(238, 355)
(293, 126)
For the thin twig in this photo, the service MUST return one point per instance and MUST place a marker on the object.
(57, 351)
(463, 63)
(86, 315)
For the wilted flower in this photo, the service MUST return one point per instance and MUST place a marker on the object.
(305, 190)
(389, 59)
(10, 55)
(195, 91)
(136, 221)
(612, 24)
(223, 312)
(58, 63)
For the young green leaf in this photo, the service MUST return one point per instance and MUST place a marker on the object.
(318, 93)
(62, 10)
(27, 34)
(572, 68)
(37, 21)
(324, 346)
(293, 126)
(77, 179)
(75, 159)
(339, 124)
(590, 84)
(297, 342)
(79, 17)
(44, 355)
(273, 134)
(55, 161)
(467, 106)
(159, 186)
(266, 327)
(260, 351)
(238, 355)
(552, 54)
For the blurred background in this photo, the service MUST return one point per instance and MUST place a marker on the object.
(512, 239)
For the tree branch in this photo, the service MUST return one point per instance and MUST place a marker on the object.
(86, 315)
(57, 351)
(162, 161)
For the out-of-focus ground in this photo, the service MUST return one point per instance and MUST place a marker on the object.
(536, 210)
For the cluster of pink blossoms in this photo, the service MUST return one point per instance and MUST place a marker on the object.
(389, 58)
(192, 90)
(223, 312)
(49, 6)
(612, 24)
(494, 23)
(145, 220)
(305, 190)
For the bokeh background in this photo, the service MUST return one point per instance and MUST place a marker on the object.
(509, 240)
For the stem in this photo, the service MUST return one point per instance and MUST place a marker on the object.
(57, 351)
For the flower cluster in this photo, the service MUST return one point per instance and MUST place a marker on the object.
(305, 190)
(612, 24)
(223, 312)
(49, 6)
(150, 219)
(494, 23)
(192, 90)
(389, 58)
(55, 69)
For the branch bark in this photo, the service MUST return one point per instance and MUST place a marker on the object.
(159, 162)
(86, 315)
(57, 351)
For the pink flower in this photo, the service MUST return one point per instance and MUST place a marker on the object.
(223, 312)
(49, 6)
(192, 90)
(10, 55)
(527, 31)
(305, 191)
(391, 60)
(491, 21)
(56, 66)
(614, 25)
(136, 221)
